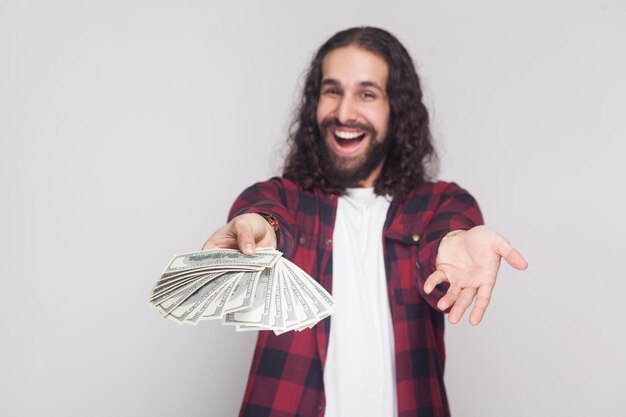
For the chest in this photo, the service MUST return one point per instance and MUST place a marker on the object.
(400, 233)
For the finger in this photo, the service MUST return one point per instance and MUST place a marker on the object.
(450, 298)
(433, 280)
(510, 255)
(482, 301)
(516, 260)
(466, 297)
(245, 236)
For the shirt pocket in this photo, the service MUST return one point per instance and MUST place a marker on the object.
(404, 276)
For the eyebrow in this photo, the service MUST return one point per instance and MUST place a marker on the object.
(372, 84)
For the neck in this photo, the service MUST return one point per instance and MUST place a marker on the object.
(370, 181)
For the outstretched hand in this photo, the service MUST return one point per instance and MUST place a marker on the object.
(244, 232)
(469, 261)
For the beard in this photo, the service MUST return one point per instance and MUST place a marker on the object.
(345, 172)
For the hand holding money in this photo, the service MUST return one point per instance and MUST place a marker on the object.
(244, 232)
(260, 292)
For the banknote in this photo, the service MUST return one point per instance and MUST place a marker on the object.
(221, 258)
(258, 313)
(199, 297)
(243, 293)
(260, 292)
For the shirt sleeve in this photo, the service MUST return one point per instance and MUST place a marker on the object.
(456, 210)
(278, 198)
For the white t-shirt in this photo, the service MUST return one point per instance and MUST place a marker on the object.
(359, 375)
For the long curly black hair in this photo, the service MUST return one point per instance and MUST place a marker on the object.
(411, 158)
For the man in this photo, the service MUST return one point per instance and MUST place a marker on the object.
(355, 210)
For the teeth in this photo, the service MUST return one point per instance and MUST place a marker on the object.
(347, 135)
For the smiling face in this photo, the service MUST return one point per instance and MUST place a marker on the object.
(353, 115)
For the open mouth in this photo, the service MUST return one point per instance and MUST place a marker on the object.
(348, 140)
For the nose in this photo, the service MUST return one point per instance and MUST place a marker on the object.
(346, 110)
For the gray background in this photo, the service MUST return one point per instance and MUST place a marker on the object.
(128, 128)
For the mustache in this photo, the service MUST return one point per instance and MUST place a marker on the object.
(329, 122)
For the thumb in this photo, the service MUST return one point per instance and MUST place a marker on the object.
(245, 237)
(516, 260)
(511, 255)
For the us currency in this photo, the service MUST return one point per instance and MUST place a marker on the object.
(198, 298)
(259, 292)
(258, 313)
(276, 310)
(286, 297)
(243, 293)
(319, 303)
(305, 316)
(171, 287)
(169, 304)
(220, 258)
(215, 308)
(210, 305)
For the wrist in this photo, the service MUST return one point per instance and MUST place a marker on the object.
(452, 234)
(449, 241)
(271, 221)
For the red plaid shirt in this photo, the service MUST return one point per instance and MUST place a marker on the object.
(286, 378)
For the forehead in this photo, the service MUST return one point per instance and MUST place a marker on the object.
(353, 65)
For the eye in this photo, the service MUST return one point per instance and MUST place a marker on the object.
(367, 95)
(333, 91)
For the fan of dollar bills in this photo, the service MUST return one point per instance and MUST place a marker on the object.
(260, 292)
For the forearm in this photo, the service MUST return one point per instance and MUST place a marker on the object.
(456, 212)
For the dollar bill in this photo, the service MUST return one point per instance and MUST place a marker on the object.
(221, 258)
(259, 292)
(319, 304)
(210, 306)
(243, 294)
(167, 306)
(178, 290)
(184, 309)
(215, 309)
(258, 313)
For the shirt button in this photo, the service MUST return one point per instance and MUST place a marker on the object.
(321, 407)
(331, 196)
(329, 242)
(302, 240)
(416, 238)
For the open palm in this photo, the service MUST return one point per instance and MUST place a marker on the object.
(469, 261)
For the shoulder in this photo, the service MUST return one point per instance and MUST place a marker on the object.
(278, 189)
(274, 185)
(432, 198)
(439, 206)
(287, 186)
(278, 183)
(436, 190)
